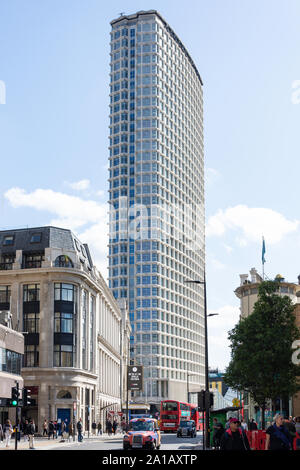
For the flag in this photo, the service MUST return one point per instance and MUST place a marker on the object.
(263, 252)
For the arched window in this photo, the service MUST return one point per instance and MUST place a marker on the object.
(63, 261)
(64, 394)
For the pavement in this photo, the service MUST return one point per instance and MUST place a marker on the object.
(43, 443)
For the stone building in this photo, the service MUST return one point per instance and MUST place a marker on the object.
(71, 322)
(11, 353)
(247, 292)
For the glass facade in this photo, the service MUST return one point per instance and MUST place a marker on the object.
(156, 193)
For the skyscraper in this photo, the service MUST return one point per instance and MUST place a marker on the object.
(156, 200)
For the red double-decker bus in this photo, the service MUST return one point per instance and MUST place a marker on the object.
(172, 412)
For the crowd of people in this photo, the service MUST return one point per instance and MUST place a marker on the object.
(280, 435)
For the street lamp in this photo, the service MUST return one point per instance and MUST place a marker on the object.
(207, 443)
(187, 385)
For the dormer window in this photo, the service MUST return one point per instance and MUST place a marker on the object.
(8, 240)
(63, 261)
(36, 238)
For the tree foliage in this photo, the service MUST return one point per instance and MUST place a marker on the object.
(261, 348)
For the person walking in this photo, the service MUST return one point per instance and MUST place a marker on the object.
(234, 438)
(25, 430)
(115, 426)
(109, 427)
(79, 429)
(297, 426)
(94, 427)
(123, 426)
(277, 435)
(1, 433)
(99, 427)
(70, 431)
(63, 429)
(244, 425)
(253, 425)
(290, 426)
(7, 431)
(51, 429)
(45, 428)
(30, 432)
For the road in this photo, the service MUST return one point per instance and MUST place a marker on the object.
(169, 442)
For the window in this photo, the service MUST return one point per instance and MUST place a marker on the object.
(6, 262)
(64, 292)
(63, 322)
(63, 261)
(63, 394)
(10, 361)
(31, 356)
(33, 260)
(31, 293)
(4, 294)
(63, 356)
(8, 240)
(31, 322)
(36, 238)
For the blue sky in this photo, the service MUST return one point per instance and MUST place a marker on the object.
(54, 62)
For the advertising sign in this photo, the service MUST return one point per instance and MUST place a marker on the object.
(135, 377)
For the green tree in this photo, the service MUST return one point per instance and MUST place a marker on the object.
(261, 349)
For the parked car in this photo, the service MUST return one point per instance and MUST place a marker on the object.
(187, 429)
(143, 434)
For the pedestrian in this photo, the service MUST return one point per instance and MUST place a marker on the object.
(215, 429)
(1, 433)
(45, 428)
(218, 435)
(25, 430)
(70, 431)
(30, 432)
(55, 429)
(277, 435)
(109, 427)
(63, 428)
(234, 438)
(297, 426)
(94, 427)
(123, 426)
(99, 429)
(115, 426)
(51, 429)
(7, 431)
(106, 425)
(290, 426)
(253, 425)
(79, 429)
(244, 425)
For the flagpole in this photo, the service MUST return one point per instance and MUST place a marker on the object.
(263, 257)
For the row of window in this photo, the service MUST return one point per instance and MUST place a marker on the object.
(10, 361)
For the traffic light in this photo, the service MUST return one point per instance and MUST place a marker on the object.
(15, 394)
(26, 397)
(210, 398)
(201, 400)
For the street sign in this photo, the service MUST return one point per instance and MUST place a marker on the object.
(236, 402)
(135, 378)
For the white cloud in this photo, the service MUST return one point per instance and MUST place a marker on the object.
(211, 176)
(80, 185)
(87, 218)
(252, 222)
